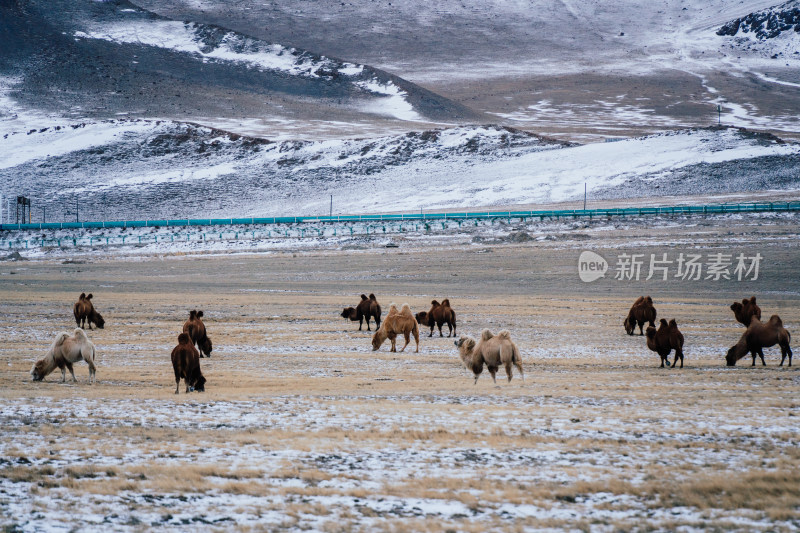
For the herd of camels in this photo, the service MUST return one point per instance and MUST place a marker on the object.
(490, 351)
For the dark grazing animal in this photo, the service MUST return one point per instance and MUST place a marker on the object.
(186, 364)
(760, 335)
(642, 311)
(366, 308)
(197, 332)
(440, 314)
(666, 339)
(491, 350)
(65, 350)
(746, 310)
(85, 313)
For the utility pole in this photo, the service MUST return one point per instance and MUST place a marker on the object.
(719, 115)
(584, 196)
(331, 211)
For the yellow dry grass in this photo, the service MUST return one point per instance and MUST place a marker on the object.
(302, 425)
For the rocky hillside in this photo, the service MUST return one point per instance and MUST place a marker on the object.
(778, 26)
(102, 60)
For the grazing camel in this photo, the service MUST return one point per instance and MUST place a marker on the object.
(397, 323)
(759, 336)
(666, 339)
(641, 311)
(196, 330)
(64, 351)
(85, 314)
(366, 308)
(186, 364)
(439, 315)
(491, 350)
(746, 310)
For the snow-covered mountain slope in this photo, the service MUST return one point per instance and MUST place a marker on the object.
(109, 59)
(153, 169)
(774, 32)
(580, 71)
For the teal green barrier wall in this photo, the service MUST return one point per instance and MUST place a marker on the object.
(562, 213)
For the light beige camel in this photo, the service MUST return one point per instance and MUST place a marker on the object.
(397, 323)
(64, 351)
(492, 350)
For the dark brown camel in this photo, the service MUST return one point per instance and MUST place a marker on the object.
(186, 364)
(196, 330)
(366, 308)
(760, 335)
(746, 310)
(642, 311)
(440, 314)
(666, 339)
(85, 313)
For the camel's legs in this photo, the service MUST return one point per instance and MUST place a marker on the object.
(406, 336)
(72, 372)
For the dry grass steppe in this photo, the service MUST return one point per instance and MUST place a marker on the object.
(303, 427)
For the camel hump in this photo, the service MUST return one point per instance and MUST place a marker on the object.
(184, 338)
(372, 296)
(639, 300)
(434, 303)
(505, 335)
(364, 297)
(199, 314)
(89, 296)
(406, 310)
(82, 296)
(446, 302)
(192, 314)
(392, 309)
(673, 323)
(648, 300)
(486, 335)
(775, 320)
(79, 333)
(752, 299)
(61, 338)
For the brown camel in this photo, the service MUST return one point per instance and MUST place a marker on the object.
(196, 330)
(186, 364)
(366, 308)
(85, 313)
(641, 311)
(395, 323)
(746, 310)
(758, 336)
(666, 339)
(439, 315)
(491, 350)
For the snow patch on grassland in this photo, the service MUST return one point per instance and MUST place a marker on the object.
(215, 44)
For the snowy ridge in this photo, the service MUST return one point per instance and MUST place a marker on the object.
(143, 169)
(212, 43)
(775, 31)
